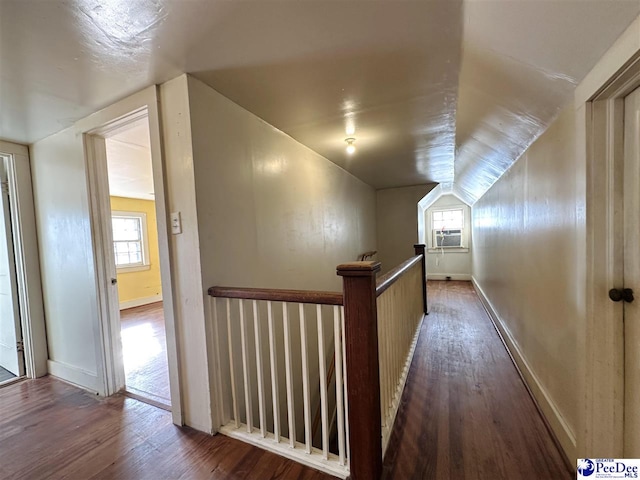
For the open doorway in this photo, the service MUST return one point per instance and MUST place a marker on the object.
(23, 343)
(136, 259)
(113, 123)
(11, 344)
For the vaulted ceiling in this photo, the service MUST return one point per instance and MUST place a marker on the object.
(433, 91)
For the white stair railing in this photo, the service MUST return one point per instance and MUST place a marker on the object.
(270, 390)
(368, 333)
(400, 312)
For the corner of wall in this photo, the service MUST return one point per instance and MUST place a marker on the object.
(194, 357)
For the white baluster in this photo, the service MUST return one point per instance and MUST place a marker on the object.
(323, 384)
(245, 369)
(291, 413)
(222, 416)
(234, 397)
(275, 394)
(305, 379)
(337, 334)
(259, 369)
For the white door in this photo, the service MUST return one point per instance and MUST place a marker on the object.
(11, 357)
(632, 275)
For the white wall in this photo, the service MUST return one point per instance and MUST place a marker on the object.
(185, 256)
(397, 223)
(66, 257)
(451, 262)
(68, 268)
(271, 212)
(526, 235)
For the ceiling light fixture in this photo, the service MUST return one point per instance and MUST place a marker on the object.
(351, 148)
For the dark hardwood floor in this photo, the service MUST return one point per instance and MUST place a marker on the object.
(51, 430)
(145, 352)
(465, 413)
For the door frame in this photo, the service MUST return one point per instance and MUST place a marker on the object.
(25, 247)
(94, 129)
(602, 340)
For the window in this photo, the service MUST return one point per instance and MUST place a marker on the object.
(448, 228)
(130, 240)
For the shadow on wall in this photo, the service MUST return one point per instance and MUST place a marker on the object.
(397, 224)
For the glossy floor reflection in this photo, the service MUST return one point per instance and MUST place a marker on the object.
(465, 412)
(52, 430)
(145, 352)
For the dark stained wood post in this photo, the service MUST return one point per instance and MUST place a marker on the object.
(421, 250)
(363, 370)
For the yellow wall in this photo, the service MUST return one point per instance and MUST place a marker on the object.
(143, 284)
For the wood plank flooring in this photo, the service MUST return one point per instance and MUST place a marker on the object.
(465, 413)
(144, 347)
(51, 430)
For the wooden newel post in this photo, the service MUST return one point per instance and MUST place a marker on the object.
(421, 250)
(363, 371)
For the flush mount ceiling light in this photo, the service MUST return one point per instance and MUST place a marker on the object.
(351, 148)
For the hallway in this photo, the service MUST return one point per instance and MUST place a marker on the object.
(465, 413)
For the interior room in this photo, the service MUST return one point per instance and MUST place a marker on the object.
(191, 195)
(137, 260)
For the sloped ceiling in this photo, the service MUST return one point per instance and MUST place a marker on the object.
(521, 63)
(433, 91)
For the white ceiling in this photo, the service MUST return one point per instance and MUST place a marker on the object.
(394, 71)
(129, 162)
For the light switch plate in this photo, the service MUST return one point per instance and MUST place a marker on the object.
(176, 223)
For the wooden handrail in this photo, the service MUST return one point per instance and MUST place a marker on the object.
(361, 290)
(389, 278)
(274, 295)
(366, 255)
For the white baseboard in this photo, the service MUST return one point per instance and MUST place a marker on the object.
(562, 431)
(465, 277)
(74, 375)
(138, 302)
(282, 448)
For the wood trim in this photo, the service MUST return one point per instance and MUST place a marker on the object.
(600, 342)
(27, 258)
(293, 296)
(358, 268)
(108, 121)
(363, 369)
(391, 277)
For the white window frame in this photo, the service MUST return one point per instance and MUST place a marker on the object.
(144, 240)
(463, 233)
